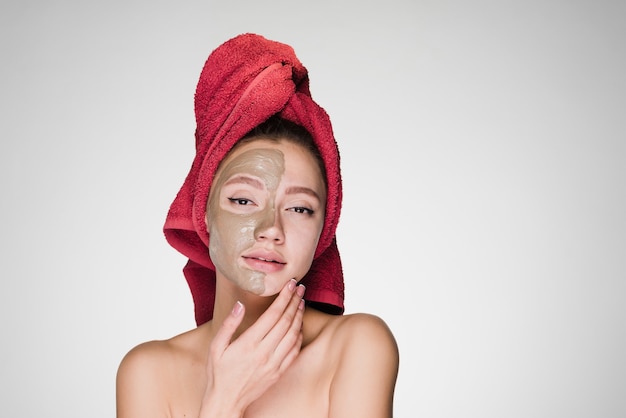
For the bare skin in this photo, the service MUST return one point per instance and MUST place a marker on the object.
(264, 354)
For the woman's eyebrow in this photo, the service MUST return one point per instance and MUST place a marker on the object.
(245, 180)
(301, 189)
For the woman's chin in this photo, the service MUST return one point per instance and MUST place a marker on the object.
(263, 285)
(272, 287)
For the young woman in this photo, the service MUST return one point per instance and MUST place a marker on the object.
(256, 216)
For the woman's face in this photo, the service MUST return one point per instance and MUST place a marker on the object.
(265, 214)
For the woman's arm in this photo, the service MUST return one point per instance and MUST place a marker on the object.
(365, 380)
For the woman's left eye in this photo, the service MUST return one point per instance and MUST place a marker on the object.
(303, 210)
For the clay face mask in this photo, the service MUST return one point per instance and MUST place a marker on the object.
(253, 175)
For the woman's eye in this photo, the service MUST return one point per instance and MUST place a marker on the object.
(303, 210)
(240, 201)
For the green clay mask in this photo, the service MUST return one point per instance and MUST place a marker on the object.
(252, 176)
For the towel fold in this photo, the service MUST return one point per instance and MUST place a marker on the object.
(244, 82)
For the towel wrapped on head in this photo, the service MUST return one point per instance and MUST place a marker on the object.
(244, 82)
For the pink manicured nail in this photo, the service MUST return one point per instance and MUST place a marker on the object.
(237, 308)
(300, 290)
(301, 305)
(292, 284)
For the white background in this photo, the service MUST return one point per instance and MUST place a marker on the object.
(484, 160)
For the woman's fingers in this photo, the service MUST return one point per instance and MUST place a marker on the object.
(225, 333)
(285, 332)
(289, 346)
(241, 370)
(268, 320)
(274, 335)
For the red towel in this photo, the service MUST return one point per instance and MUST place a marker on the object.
(244, 82)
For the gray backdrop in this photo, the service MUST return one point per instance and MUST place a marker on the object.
(483, 153)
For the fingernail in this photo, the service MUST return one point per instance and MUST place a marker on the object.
(301, 305)
(300, 290)
(237, 308)
(292, 284)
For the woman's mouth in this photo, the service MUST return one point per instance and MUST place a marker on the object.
(263, 264)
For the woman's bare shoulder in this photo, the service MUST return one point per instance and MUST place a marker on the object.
(144, 357)
(140, 377)
(365, 330)
(368, 361)
(145, 371)
(159, 352)
(357, 331)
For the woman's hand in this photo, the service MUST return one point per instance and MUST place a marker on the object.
(240, 371)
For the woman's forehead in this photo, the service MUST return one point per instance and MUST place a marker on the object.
(264, 163)
(269, 160)
(252, 149)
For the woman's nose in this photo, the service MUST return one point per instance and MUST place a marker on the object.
(270, 227)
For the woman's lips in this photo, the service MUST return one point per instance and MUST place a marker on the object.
(263, 265)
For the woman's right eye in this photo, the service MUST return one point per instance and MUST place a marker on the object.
(240, 201)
